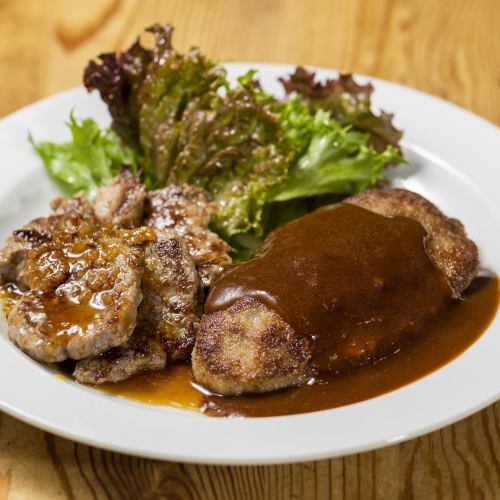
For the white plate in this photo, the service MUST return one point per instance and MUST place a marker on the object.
(454, 155)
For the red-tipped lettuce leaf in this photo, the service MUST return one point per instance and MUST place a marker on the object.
(348, 101)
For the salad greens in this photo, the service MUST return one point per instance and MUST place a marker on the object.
(92, 157)
(329, 157)
(263, 160)
(348, 102)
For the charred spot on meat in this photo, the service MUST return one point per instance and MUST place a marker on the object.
(121, 202)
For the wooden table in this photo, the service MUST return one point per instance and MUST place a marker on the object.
(449, 48)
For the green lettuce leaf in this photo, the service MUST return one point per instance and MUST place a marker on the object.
(147, 92)
(263, 161)
(329, 158)
(189, 126)
(233, 146)
(91, 158)
(348, 102)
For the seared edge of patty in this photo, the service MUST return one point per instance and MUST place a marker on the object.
(447, 245)
(172, 294)
(139, 355)
(249, 348)
(14, 253)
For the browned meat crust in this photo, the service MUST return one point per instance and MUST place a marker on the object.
(178, 206)
(139, 355)
(112, 278)
(121, 202)
(14, 254)
(172, 303)
(167, 318)
(162, 270)
(448, 246)
(78, 204)
(187, 210)
(249, 348)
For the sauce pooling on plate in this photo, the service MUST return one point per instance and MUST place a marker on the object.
(357, 284)
(360, 287)
(444, 339)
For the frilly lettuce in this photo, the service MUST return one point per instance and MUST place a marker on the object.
(330, 158)
(91, 158)
(348, 102)
(262, 160)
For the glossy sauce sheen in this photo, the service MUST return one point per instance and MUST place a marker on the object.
(62, 288)
(362, 287)
(357, 284)
(380, 295)
(443, 340)
(171, 387)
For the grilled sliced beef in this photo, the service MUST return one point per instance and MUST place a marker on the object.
(187, 210)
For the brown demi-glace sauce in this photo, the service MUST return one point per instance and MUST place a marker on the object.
(361, 287)
(442, 342)
(365, 275)
(357, 284)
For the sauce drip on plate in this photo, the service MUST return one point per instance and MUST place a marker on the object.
(171, 387)
(361, 288)
(444, 340)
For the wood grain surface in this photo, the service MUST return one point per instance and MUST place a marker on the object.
(450, 48)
